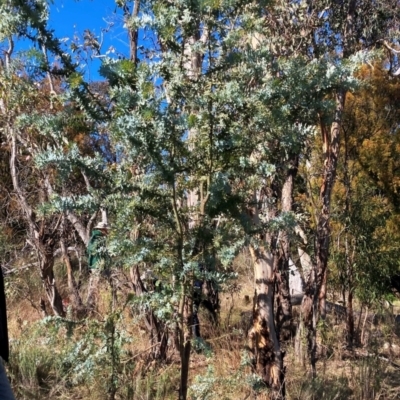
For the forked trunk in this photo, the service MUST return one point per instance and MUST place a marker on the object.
(262, 336)
(43, 243)
(46, 263)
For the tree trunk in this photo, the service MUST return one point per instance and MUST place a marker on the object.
(43, 242)
(262, 336)
(315, 294)
(72, 286)
(299, 343)
(185, 358)
(322, 296)
(349, 256)
(284, 306)
(156, 328)
(350, 319)
(185, 341)
(132, 33)
(195, 201)
(317, 278)
(46, 263)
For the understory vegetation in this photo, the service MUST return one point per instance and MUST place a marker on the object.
(208, 210)
(67, 358)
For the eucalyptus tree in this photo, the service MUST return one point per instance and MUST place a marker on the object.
(335, 33)
(196, 123)
(15, 95)
(365, 207)
(158, 103)
(206, 126)
(38, 115)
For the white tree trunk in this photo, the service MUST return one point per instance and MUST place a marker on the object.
(262, 336)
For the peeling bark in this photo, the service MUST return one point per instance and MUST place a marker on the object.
(72, 286)
(44, 250)
(284, 301)
(315, 290)
(263, 340)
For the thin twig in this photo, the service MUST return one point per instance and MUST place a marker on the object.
(142, 352)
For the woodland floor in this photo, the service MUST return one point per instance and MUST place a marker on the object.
(218, 371)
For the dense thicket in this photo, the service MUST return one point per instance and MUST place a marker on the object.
(226, 126)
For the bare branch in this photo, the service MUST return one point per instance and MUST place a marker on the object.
(49, 77)
(204, 35)
(91, 222)
(86, 179)
(47, 184)
(79, 227)
(9, 52)
(17, 269)
(132, 33)
(69, 249)
(13, 169)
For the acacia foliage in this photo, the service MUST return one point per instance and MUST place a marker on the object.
(268, 75)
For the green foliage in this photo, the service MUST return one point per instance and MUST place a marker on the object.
(55, 352)
(202, 388)
(365, 253)
(180, 145)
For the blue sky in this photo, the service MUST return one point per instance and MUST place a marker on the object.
(72, 17)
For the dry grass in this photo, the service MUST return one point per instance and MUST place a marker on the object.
(220, 372)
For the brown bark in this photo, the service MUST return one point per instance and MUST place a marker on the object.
(350, 319)
(132, 33)
(72, 286)
(315, 293)
(44, 249)
(317, 277)
(43, 241)
(156, 328)
(185, 342)
(284, 303)
(322, 296)
(185, 358)
(349, 256)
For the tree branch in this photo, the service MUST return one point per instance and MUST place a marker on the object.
(13, 169)
(132, 33)
(79, 227)
(9, 52)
